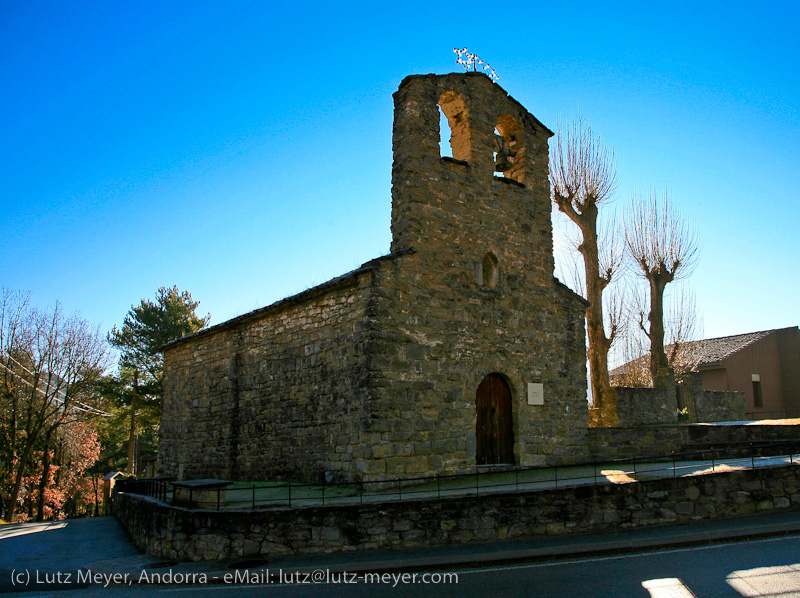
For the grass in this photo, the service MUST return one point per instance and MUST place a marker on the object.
(259, 494)
(282, 494)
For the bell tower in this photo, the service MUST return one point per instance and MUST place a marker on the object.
(489, 202)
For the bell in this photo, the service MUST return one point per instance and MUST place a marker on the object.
(501, 163)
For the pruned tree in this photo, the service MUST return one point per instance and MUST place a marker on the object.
(582, 180)
(682, 328)
(148, 327)
(663, 247)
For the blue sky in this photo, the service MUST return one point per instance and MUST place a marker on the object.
(242, 150)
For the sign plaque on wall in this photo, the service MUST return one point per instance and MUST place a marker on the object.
(535, 393)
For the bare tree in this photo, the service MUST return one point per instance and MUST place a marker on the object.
(682, 327)
(663, 247)
(48, 363)
(582, 179)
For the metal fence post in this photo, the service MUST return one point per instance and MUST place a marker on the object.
(713, 465)
(555, 475)
(438, 486)
(752, 457)
(674, 470)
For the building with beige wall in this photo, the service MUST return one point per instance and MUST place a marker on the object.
(764, 365)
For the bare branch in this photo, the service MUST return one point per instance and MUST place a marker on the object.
(582, 170)
(568, 262)
(611, 248)
(682, 327)
(663, 247)
(48, 363)
(659, 239)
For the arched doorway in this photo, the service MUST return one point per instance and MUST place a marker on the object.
(495, 431)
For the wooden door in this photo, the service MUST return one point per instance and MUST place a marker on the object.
(495, 431)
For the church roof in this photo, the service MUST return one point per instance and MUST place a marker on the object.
(326, 287)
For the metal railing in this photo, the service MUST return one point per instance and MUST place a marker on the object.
(147, 487)
(493, 480)
(776, 414)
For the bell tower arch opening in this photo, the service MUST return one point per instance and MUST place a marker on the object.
(509, 149)
(453, 112)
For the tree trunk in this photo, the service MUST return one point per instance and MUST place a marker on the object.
(45, 479)
(602, 394)
(132, 437)
(21, 466)
(12, 440)
(659, 366)
(95, 484)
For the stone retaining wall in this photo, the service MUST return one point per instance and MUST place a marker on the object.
(719, 405)
(638, 406)
(176, 533)
(643, 441)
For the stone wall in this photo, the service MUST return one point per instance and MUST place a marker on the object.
(719, 405)
(643, 406)
(448, 323)
(606, 444)
(714, 405)
(435, 347)
(280, 392)
(173, 533)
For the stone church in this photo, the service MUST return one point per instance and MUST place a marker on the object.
(457, 350)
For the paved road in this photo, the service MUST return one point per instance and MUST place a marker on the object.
(758, 568)
(60, 546)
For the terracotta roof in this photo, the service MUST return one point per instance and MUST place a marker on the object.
(705, 353)
(712, 351)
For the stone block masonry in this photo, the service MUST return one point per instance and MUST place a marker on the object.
(175, 533)
(719, 405)
(640, 442)
(279, 392)
(643, 406)
(647, 406)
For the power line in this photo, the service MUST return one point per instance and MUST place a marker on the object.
(76, 404)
